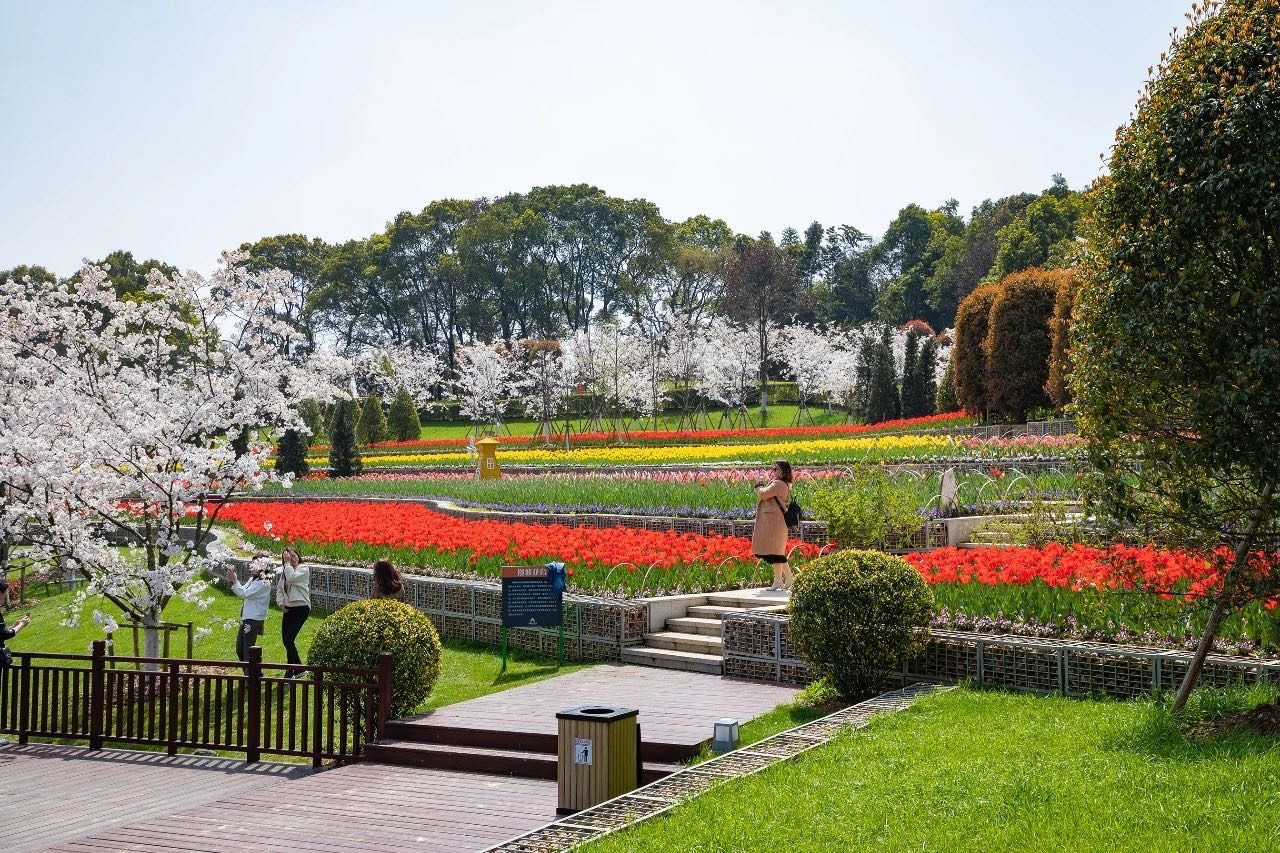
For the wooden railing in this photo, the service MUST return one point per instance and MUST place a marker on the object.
(320, 713)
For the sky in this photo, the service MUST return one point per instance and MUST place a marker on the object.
(177, 129)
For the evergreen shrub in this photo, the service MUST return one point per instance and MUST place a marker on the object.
(857, 616)
(354, 636)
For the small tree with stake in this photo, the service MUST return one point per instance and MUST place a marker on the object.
(1176, 339)
(344, 456)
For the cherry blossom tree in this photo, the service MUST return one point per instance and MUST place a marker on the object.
(546, 384)
(482, 383)
(807, 355)
(731, 361)
(685, 351)
(384, 370)
(127, 414)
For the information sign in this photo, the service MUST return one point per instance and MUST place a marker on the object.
(529, 598)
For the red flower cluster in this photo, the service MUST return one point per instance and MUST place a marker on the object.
(405, 525)
(1169, 574)
(700, 434)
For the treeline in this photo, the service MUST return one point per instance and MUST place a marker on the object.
(553, 261)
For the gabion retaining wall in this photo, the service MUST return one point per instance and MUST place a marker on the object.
(756, 646)
(594, 628)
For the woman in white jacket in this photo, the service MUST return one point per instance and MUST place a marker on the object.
(293, 594)
(256, 595)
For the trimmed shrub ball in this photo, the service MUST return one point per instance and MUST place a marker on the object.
(858, 615)
(354, 636)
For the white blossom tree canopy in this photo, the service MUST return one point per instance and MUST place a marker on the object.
(127, 414)
(731, 363)
(482, 382)
(384, 370)
(546, 384)
(807, 354)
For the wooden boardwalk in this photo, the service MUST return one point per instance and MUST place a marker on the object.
(72, 800)
(676, 708)
(50, 794)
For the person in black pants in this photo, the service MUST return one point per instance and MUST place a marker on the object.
(293, 594)
(7, 633)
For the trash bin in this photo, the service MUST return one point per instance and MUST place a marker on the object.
(599, 755)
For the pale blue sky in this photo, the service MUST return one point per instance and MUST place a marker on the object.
(178, 129)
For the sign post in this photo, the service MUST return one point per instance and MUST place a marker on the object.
(531, 598)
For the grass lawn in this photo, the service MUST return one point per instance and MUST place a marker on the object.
(470, 669)
(986, 771)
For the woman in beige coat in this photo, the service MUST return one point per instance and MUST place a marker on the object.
(769, 541)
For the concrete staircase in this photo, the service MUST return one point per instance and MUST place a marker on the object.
(685, 631)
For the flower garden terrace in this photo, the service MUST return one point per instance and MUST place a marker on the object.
(718, 493)
(886, 449)
(1120, 593)
(687, 436)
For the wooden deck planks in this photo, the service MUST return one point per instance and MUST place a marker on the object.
(53, 793)
(363, 807)
(675, 707)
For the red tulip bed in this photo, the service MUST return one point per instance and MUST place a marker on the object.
(412, 535)
(1120, 594)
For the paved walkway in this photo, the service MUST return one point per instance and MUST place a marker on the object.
(676, 707)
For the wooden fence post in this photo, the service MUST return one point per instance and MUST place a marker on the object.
(24, 699)
(171, 724)
(253, 726)
(97, 693)
(317, 719)
(385, 664)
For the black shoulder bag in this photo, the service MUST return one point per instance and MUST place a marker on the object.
(791, 514)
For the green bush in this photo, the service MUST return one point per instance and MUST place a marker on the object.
(291, 453)
(402, 419)
(344, 456)
(372, 425)
(356, 634)
(868, 509)
(858, 615)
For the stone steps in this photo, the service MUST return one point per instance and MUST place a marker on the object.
(682, 642)
(672, 659)
(711, 611)
(695, 625)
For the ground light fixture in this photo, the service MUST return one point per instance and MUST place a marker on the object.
(725, 737)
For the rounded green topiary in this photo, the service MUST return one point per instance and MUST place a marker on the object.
(354, 636)
(857, 615)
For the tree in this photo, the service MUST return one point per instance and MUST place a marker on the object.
(313, 416)
(907, 259)
(1018, 342)
(302, 258)
(1060, 348)
(482, 382)
(545, 385)
(291, 453)
(344, 456)
(968, 356)
(372, 425)
(1043, 236)
(848, 296)
(762, 286)
(945, 399)
(729, 370)
(402, 419)
(919, 365)
(883, 401)
(1175, 342)
(155, 386)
